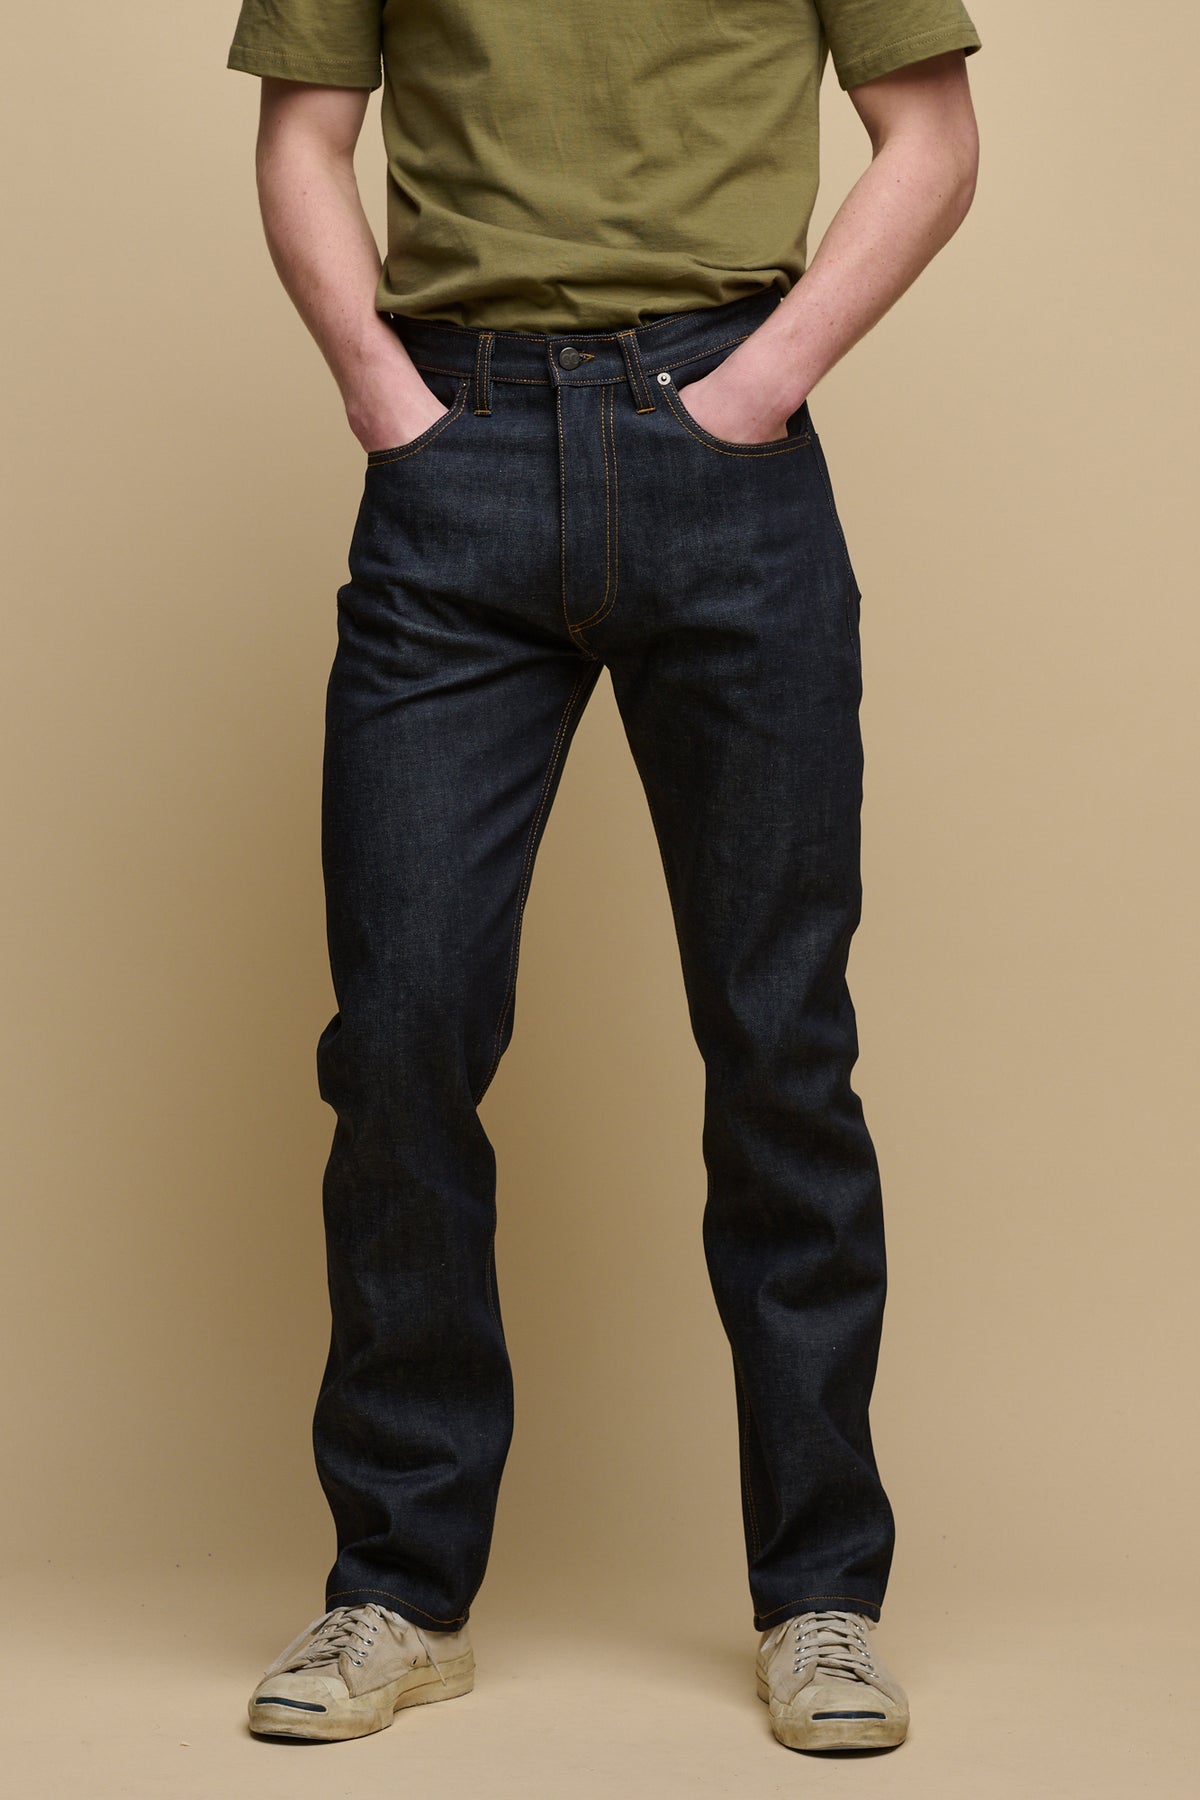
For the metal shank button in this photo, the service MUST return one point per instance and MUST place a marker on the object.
(569, 357)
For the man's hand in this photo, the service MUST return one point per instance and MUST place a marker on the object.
(905, 206)
(391, 408)
(327, 258)
(734, 409)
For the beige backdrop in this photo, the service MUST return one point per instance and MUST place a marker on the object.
(1013, 454)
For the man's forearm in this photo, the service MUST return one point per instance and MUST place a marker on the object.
(324, 251)
(905, 206)
(325, 254)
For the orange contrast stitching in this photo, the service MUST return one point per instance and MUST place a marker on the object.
(562, 506)
(806, 1597)
(696, 431)
(375, 457)
(611, 541)
(389, 1595)
(483, 365)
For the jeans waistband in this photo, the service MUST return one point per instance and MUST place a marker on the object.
(627, 353)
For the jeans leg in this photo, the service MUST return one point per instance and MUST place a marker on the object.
(738, 679)
(446, 730)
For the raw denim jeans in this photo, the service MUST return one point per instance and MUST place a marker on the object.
(567, 516)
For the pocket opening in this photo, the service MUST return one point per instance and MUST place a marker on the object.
(457, 401)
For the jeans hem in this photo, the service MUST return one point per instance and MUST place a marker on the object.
(416, 1615)
(791, 1609)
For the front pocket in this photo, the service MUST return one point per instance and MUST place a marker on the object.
(729, 446)
(453, 391)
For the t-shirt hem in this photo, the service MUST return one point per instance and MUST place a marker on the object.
(326, 71)
(890, 57)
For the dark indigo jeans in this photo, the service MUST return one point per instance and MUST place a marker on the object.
(566, 516)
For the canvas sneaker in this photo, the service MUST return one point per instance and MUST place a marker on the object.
(826, 1688)
(351, 1670)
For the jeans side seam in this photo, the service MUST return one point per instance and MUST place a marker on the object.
(490, 1282)
(755, 1533)
(835, 519)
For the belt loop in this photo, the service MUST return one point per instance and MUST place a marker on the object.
(483, 372)
(643, 400)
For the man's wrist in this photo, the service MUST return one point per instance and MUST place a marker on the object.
(771, 366)
(377, 363)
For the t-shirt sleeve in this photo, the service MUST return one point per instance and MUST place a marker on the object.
(334, 42)
(869, 38)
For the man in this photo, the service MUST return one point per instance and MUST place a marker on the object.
(580, 381)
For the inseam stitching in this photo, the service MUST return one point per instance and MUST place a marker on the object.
(755, 1533)
(585, 675)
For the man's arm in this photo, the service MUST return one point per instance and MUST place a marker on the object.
(327, 258)
(906, 205)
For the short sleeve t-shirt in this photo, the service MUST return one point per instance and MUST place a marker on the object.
(592, 162)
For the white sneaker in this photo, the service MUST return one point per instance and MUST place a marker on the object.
(352, 1669)
(825, 1687)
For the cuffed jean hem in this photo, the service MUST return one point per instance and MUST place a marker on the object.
(372, 1596)
(792, 1609)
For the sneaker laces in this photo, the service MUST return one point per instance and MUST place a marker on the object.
(838, 1642)
(349, 1629)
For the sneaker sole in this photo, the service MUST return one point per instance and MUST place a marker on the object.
(367, 1712)
(833, 1734)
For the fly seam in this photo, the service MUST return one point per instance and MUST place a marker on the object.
(611, 542)
(562, 509)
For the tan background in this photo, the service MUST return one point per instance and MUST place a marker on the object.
(1013, 453)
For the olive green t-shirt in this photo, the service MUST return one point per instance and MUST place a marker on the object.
(569, 164)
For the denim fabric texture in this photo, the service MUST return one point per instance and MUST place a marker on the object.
(568, 516)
